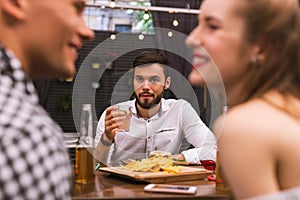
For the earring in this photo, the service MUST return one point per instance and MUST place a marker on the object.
(255, 60)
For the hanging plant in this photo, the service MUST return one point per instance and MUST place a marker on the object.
(145, 25)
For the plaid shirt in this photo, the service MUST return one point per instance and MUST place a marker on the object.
(34, 163)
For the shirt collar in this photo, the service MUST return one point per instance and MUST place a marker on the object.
(11, 67)
(164, 107)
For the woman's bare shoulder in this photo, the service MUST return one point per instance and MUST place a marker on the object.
(241, 117)
(256, 118)
(252, 110)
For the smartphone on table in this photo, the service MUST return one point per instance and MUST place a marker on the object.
(181, 189)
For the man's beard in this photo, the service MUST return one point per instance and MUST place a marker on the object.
(147, 104)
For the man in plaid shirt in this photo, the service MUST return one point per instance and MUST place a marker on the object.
(38, 39)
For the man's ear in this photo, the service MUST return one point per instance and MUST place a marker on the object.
(168, 82)
(14, 8)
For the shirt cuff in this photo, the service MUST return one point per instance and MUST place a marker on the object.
(105, 141)
(191, 156)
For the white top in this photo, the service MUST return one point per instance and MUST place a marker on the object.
(172, 129)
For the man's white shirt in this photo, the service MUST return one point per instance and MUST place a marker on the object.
(174, 129)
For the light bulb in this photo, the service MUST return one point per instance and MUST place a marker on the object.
(146, 16)
(112, 4)
(175, 22)
(113, 37)
(141, 36)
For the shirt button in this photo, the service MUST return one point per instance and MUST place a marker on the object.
(148, 121)
(149, 138)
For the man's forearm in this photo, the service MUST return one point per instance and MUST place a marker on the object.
(102, 150)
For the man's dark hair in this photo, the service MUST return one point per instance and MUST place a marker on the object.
(152, 56)
(148, 57)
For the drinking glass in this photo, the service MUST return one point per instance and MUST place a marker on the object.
(84, 151)
(124, 125)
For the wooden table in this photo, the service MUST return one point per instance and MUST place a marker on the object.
(112, 187)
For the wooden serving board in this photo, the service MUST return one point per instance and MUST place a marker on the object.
(186, 173)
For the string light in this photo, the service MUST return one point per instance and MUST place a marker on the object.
(112, 3)
(113, 37)
(147, 12)
(175, 22)
(95, 65)
(146, 15)
(141, 36)
(151, 8)
(95, 85)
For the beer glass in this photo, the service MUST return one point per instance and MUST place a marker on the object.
(84, 161)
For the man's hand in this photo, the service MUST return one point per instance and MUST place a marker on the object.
(113, 119)
(178, 157)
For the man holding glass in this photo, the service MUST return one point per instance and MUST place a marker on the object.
(156, 124)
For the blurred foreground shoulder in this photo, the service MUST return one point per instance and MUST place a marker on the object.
(250, 118)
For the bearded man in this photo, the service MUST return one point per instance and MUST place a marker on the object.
(157, 124)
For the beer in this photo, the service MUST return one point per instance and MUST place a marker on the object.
(221, 185)
(84, 162)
